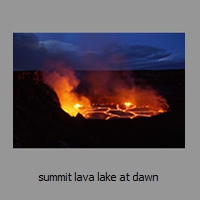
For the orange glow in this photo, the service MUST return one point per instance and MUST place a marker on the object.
(77, 106)
(63, 81)
(115, 111)
(127, 104)
(121, 102)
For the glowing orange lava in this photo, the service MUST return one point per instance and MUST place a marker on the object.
(110, 98)
(77, 105)
(127, 104)
(116, 111)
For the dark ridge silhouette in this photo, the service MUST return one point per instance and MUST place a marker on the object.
(39, 121)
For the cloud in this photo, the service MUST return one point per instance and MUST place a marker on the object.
(25, 38)
(29, 53)
(137, 52)
(140, 57)
(54, 46)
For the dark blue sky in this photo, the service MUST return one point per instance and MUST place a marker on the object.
(100, 51)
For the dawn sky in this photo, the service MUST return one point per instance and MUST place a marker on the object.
(100, 51)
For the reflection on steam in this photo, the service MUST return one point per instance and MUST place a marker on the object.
(108, 95)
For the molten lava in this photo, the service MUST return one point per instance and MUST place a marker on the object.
(127, 104)
(109, 98)
(115, 111)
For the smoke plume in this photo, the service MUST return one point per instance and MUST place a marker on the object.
(94, 89)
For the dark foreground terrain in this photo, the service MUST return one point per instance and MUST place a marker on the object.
(39, 122)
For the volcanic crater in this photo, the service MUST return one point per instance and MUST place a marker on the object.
(112, 109)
